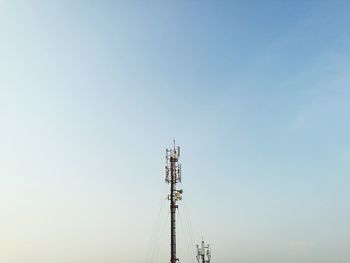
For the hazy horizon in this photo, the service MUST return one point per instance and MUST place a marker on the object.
(256, 93)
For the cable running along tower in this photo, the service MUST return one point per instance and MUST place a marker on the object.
(172, 177)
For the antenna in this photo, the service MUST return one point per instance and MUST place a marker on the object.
(172, 177)
(203, 253)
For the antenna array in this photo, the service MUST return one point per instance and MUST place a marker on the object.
(203, 253)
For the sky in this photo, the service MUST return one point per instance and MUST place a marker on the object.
(256, 93)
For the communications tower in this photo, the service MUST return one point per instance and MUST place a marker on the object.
(203, 253)
(172, 177)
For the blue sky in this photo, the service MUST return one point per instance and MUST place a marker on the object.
(255, 92)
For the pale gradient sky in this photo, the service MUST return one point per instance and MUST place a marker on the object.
(256, 93)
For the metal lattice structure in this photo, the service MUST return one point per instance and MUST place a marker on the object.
(172, 177)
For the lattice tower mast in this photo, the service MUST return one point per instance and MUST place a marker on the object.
(172, 177)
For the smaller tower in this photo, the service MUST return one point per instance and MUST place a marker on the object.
(203, 253)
